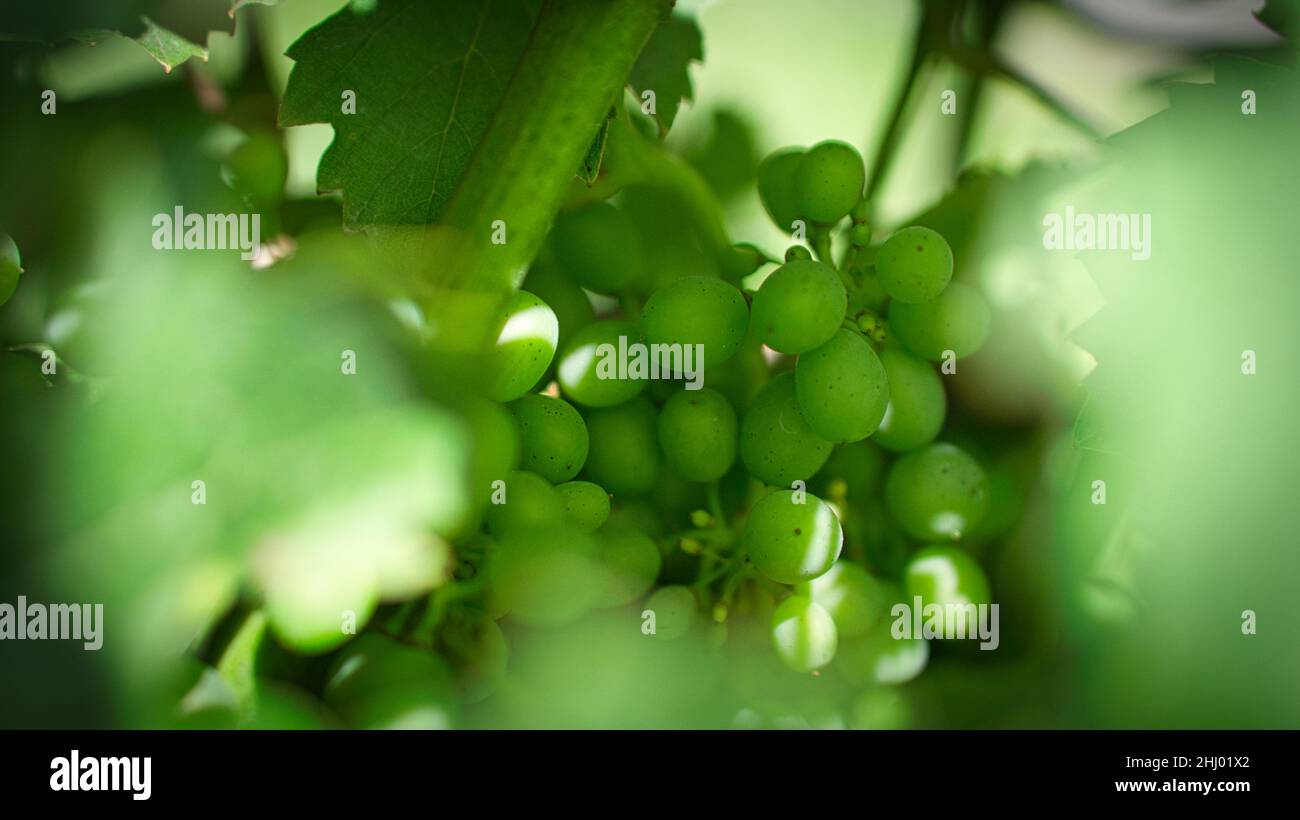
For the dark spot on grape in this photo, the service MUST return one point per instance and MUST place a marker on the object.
(798, 531)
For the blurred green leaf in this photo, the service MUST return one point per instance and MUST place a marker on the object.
(728, 159)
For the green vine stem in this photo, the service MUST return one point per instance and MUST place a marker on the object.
(579, 55)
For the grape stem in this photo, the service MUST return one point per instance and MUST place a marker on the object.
(714, 498)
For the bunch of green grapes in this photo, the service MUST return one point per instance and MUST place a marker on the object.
(760, 452)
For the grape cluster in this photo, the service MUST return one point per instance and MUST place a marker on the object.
(798, 487)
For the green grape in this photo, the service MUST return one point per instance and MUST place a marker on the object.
(856, 600)
(914, 265)
(376, 682)
(546, 576)
(586, 505)
(624, 454)
(881, 708)
(878, 658)
(842, 388)
(571, 305)
(797, 252)
(804, 634)
(957, 320)
(526, 502)
(799, 307)
(598, 247)
(947, 576)
(553, 437)
(917, 403)
(476, 648)
(631, 562)
(257, 168)
(792, 542)
(776, 444)
(697, 433)
(938, 492)
(859, 465)
(776, 186)
(675, 611)
(740, 260)
(493, 453)
(11, 267)
(524, 347)
(587, 365)
(698, 310)
(741, 377)
(828, 181)
(860, 236)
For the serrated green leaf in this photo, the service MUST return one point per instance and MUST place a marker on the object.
(171, 32)
(427, 78)
(663, 67)
(167, 47)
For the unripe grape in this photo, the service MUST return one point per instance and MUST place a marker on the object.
(878, 658)
(792, 542)
(842, 388)
(587, 369)
(799, 307)
(776, 186)
(11, 267)
(917, 403)
(530, 504)
(524, 347)
(697, 433)
(829, 180)
(852, 596)
(597, 246)
(571, 305)
(624, 452)
(914, 265)
(740, 260)
(776, 444)
(860, 465)
(804, 634)
(947, 576)
(631, 562)
(938, 492)
(957, 320)
(553, 436)
(675, 610)
(698, 310)
(586, 505)
(379, 683)
(546, 576)
(797, 252)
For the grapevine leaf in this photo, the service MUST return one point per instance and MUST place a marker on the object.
(172, 33)
(663, 67)
(427, 78)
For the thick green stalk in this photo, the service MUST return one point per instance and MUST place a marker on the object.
(577, 59)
